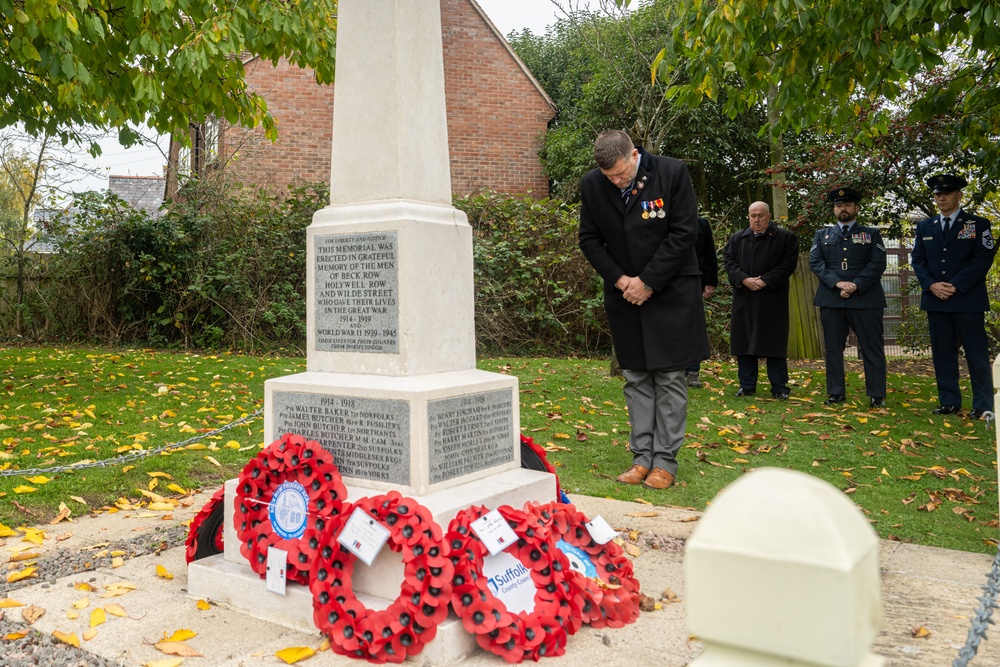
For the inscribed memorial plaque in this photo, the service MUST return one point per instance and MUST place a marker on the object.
(369, 438)
(470, 433)
(357, 293)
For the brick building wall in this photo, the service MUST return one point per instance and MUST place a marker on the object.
(497, 115)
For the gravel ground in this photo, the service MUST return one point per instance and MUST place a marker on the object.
(41, 650)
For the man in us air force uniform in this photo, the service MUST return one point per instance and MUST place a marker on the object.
(952, 254)
(849, 259)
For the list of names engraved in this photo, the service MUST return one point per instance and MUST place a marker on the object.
(470, 433)
(357, 293)
(369, 438)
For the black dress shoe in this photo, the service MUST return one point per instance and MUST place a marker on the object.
(744, 392)
(976, 414)
(780, 395)
(946, 410)
(876, 402)
(834, 398)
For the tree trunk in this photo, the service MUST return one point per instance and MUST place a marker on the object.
(804, 339)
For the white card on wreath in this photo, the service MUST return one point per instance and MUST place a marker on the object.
(276, 574)
(494, 532)
(600, 530)
(363, 536)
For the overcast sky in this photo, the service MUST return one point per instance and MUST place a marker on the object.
(507, 15)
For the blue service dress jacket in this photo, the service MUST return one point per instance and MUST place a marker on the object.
(858, 257)
(961, 257)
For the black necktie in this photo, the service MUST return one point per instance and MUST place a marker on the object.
(946, 224)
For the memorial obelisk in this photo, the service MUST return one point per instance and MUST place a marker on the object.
(391, 388)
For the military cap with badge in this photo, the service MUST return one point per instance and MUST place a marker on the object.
(946, 183)
(840, 195)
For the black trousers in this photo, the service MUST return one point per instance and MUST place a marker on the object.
(947, 331)
(867, 324)
(777, 373)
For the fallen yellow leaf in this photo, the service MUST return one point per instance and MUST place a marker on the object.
(117, 561)
(31, 613)
(24, 488)
(67, 638)
(115, 610)
(216, 463)
(162, 572)
(72, 615)
(203, 605)
(97, 617)
(33, 535)
(39, 479)
(78, 499)
(12, 636)
(181, 635)
(84, 586)
(159, 474)
(292, 655)
(632, 550)
(7, 532)
(82, 603)
(175, 488)
(162, 507)
(643, 514)
(920, 633)
(89, 634)
(7, 603)
(24, 555)
(21, 574)
(177, 648)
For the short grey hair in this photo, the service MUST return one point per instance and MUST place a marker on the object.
(610, 147)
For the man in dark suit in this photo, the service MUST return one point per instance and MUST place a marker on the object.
(849, 260)
(952, 254)
(759, 260)
(638, 225)
(704, 250)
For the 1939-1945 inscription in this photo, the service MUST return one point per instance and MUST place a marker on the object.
(369, 438)
(470, 433)
(356, 293)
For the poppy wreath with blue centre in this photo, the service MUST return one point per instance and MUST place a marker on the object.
(411, 620)
(291, 458)
(514, 636)
(612, 598)
(205, 532)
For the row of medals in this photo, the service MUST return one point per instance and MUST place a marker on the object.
(653, 209)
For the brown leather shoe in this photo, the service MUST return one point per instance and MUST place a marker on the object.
(659, 479)
(633, 475)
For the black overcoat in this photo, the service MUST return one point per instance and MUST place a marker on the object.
(759, 324)
(667, 332)
(961, 257)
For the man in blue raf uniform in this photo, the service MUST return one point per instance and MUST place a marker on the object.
(952, 254)
(638, 225)
(849, 259)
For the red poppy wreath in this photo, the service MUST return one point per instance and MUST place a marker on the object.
(411, 620)
(601, 571)
(550, 612)
(206, 529)
(285, 497)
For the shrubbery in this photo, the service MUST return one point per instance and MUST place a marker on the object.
(225, 269)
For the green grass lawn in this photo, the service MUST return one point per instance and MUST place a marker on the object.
(917, 477)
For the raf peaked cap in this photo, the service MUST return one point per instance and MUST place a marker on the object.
(838, 195)
(946, 183)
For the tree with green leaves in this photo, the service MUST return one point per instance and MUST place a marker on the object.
(839, 67)
(159, 63)
(595, 65)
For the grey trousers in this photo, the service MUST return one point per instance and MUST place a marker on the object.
(657, 408)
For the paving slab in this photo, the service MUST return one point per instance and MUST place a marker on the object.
(922, 587)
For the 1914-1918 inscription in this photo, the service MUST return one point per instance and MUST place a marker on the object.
(470, 433)
(369, 438)
(357, 293)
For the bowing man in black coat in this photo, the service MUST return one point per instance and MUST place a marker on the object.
(638, 225)
(952, 254)
(849, 260)
(759, 260)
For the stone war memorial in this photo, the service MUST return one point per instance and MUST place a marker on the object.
(398, 438)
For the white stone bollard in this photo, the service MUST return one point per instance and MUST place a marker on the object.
(783, 570)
